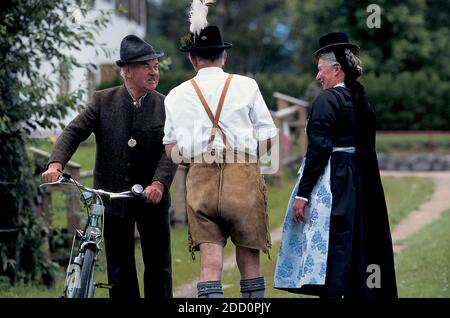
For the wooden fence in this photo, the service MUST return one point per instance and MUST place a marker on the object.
(71, 194)
(290, 119)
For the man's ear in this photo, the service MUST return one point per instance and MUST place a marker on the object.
(225, 57)
(127, 71)
(338, 69)
(193, 60)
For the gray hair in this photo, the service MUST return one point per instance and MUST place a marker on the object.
(353, 61)
(122, 70)
(202, 61)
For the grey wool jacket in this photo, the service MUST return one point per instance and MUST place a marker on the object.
(114, 119)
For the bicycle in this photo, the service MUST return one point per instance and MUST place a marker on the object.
(79, 281)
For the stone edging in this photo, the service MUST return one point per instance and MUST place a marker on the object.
(414, 162)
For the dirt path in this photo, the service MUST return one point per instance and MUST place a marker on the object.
(425, 214)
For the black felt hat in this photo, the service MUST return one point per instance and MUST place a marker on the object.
(133, 49)
(208, 39)
(331, 41)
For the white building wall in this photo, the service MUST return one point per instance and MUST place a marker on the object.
(111, 36)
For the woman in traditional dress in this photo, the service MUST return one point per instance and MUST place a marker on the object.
(336, 239)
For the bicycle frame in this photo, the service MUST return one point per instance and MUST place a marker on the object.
(79, 282)
(90, 240)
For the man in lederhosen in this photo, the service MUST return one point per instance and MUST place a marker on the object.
(128, 121)
(216, 120)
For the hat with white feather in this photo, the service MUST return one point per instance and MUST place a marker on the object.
(202, 37)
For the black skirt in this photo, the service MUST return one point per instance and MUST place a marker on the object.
(359, 239)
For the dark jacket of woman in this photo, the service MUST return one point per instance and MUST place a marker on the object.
(360, 238)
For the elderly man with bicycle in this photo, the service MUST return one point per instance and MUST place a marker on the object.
(128, 122)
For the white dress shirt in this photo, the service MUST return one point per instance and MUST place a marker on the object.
(245, 118)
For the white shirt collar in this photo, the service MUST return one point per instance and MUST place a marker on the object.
(341, 84)
(213, 70)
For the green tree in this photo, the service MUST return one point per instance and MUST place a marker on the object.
(257, 29)
(409, 50)
(32, 32)
(413, 34)
(437, 22)
(167, 23)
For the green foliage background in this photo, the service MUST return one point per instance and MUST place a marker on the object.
(407, 73)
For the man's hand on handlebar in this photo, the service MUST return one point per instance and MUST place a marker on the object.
(154, 192)
(52, 173)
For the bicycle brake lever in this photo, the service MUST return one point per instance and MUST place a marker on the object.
(65, 175)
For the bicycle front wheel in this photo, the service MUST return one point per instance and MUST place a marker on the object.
(86, 274)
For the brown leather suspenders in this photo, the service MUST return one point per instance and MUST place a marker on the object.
(214, 119)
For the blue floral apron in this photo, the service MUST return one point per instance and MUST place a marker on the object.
(302, 258)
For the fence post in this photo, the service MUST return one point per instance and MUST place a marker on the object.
(72, 200)
(179, 206)
(281, 104)
(277, 177)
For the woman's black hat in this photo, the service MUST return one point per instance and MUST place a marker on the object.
(329, 42)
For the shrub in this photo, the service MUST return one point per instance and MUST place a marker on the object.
(409, 101)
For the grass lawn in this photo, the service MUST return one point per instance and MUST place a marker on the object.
(423, 267)
(405, 194)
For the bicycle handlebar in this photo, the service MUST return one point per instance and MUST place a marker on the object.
(66, 178)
